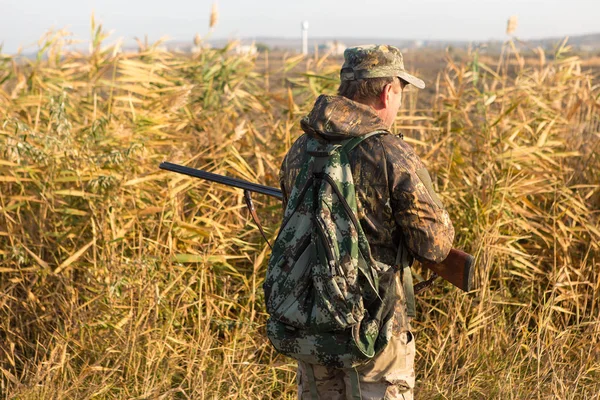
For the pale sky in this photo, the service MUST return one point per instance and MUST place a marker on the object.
(22, 22)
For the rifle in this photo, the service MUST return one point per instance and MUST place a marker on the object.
(457, 268)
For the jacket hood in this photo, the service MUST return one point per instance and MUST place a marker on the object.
(336, 117)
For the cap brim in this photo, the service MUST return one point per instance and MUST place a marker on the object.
(413, 80)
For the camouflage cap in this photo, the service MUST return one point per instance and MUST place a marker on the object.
(376, 61)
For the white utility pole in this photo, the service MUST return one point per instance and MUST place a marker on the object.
(305, 37)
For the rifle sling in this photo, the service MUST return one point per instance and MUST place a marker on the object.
(252, 210)
(407, 280)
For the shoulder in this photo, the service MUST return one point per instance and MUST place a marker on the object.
(299, 144)
(300, 141)
(389, 151)
(296, 152)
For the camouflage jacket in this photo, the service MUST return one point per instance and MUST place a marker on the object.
(394, 194)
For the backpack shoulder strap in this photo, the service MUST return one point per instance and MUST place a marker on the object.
(355, 141)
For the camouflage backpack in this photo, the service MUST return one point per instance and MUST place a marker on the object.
(329, 302)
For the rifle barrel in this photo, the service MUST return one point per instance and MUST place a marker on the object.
(209, 176)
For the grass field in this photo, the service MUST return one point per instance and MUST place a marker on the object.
(121, 281)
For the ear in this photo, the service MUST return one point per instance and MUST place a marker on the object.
(385, 95)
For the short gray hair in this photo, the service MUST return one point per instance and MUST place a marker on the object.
(365, 90)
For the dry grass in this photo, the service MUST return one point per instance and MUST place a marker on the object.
(118, 280)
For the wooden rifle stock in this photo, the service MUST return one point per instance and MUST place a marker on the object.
(457, 268)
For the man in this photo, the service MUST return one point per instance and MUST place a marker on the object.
(396, 204)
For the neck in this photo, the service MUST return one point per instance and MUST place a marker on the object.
(379, 109)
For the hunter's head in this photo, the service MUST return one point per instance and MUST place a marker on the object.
(374, 75)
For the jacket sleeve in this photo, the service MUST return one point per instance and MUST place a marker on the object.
(425, 224)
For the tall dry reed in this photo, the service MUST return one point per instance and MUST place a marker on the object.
(118, 280)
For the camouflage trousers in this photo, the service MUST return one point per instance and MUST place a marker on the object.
(390, 375)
